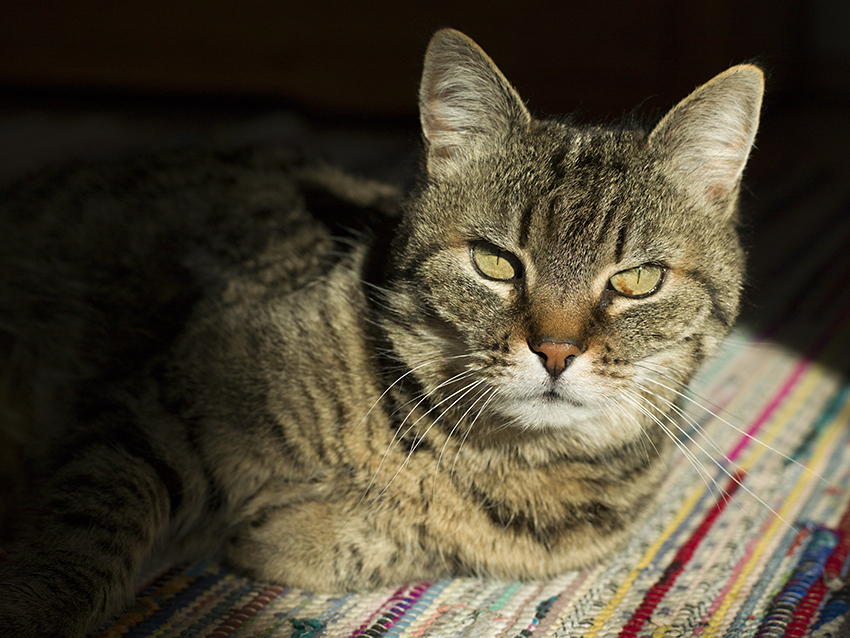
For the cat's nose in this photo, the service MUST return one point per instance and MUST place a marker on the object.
(556, 355)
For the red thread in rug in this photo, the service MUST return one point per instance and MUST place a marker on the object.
(811, 603)
(801, 367)
(248, 611)
(657, 592)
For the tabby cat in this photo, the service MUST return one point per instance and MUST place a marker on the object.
(332, 386)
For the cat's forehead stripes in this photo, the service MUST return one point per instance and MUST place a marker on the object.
(524, 226)
(582, 196)
(621, 243)
(571, 239)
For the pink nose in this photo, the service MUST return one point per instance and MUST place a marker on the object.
(556, 355)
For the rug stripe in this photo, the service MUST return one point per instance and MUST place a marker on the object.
(785, 605)
(730, 598)
(831, 572)
(648, 557)
(677, 565)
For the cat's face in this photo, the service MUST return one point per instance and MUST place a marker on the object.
(550, 276)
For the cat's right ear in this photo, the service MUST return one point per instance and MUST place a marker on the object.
(465, 102)
(707, 137)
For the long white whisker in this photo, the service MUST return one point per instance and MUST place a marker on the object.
(396, 438)
(749, 344)
(704, 474)
(736, 428)
(723, 469)
(699, 429)
(436, 359)
(451, 434)
(404, 463)
(645, 436)
(456, 378)
(417, 401)
(469, 429)
(695, 424)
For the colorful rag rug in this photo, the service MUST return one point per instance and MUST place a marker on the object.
(750, 536)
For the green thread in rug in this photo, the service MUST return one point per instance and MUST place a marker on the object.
(305, 627)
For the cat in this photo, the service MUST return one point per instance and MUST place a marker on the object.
(330, 384)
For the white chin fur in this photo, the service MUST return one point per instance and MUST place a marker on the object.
(577, 403)
(542, 413)
(596, 427)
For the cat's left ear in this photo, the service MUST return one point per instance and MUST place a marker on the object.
(707, 137)
(465, 103)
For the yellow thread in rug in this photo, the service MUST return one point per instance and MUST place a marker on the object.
(644, 562)
(827, 445)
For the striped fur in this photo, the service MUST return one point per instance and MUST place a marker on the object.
(229, 370)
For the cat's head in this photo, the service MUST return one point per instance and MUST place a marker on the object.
(556, 276)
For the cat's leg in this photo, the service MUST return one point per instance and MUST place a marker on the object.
(108, 500)
(315, 545)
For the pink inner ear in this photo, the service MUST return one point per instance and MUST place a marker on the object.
(434, 127)
(723, 170)
(717, 192)
(708, 135)
(721, 179)
(443, 152)
(431, 122)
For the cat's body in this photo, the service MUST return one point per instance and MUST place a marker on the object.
(479, 386)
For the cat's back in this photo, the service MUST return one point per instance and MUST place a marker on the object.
(105, 265)
(131, 222)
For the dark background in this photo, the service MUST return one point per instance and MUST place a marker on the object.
(357, 64)
(364, 57)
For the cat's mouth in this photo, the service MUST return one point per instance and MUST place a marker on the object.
(551, 396)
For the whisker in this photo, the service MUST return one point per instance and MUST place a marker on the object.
(645, 436)
(750, 344)
(396, 438)
(436, 359)
(413, 447)
(451, 433)
(483, 407)
(355, 241)
(703, 473)
(741, 471)
(691, 421)
(697, 428)
(723, 468)
(691, 392)
(420, 400)
(741, 431)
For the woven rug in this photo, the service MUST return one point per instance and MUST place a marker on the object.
(749, 537)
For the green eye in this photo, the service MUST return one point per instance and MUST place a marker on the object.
(638, 282)
(494, 263)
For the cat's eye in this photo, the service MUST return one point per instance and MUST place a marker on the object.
(494, 263)
(638, 282)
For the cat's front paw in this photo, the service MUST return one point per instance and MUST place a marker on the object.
(312, 546)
